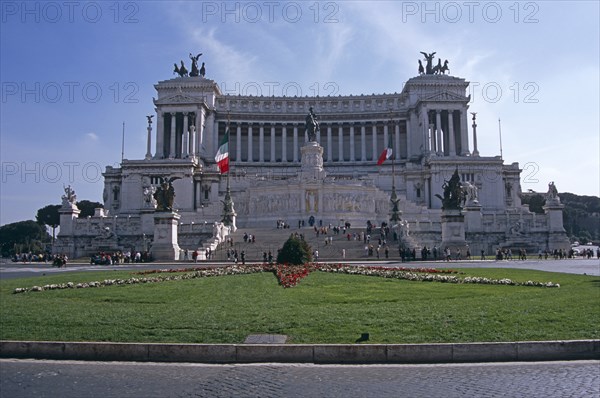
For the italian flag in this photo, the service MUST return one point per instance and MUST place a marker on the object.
(386, 154)
(222, 157)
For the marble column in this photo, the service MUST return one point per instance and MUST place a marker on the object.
(375, 154)
(464, 133)
(186, 136)
(149, 143)
(386, 137)
(208, 135)
(408, 139)
(475, 150)
(272, 157)
(261, 143)
(295, 142)
(438, 131)
(192, 148)
(250, 154)
(319, 136)
(238, 143)
(397, 140)
(212, 128)
(352, 149)
(199, 131)
(329, 144)
(160, 135)
(363, 143)
(173, 134)
(284, 144)
(427, 191)
(451, 136)
(340, 143)
(425, 123)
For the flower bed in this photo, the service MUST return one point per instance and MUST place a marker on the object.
(291, 275)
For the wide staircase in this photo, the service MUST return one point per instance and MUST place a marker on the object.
(271, 239)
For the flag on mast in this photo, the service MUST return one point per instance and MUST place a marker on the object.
(222, 157)
(386, 154)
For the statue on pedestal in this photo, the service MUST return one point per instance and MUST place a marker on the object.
(165, 195)
(148, 192)
(311, 126)
(454, 195)
(470, 193)
(552, 191)
(69, 198)
(552, 194)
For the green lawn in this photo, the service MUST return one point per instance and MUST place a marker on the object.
(323, 308)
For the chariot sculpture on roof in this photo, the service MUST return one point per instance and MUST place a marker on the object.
(182, 71)
(429, 69)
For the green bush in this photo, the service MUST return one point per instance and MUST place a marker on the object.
(295, 251)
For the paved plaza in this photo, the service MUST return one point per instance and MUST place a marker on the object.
(27, 378)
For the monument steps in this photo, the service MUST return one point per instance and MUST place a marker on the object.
(272, 239)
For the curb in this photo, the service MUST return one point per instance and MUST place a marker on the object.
(305, 353)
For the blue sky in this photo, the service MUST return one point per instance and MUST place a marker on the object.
(73, 73)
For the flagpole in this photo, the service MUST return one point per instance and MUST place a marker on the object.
(228, 146)
(395, 211)
(229, 213)
(500, 134)
(123, 144)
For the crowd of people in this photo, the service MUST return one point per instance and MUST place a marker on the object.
(58, 260)
(119, 257)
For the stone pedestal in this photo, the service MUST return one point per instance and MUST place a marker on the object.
(473, 217)
(312, 162)
(68, 214)
(453, 231)
(65, 242)
(556, 231)
(165, 246)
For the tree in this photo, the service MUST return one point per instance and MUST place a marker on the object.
(294, 252)
(23, 236)
(49, 216)
(536, 202)
(88, 208)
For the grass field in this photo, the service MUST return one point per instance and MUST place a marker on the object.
(323, 308)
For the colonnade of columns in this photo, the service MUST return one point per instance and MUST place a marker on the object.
(177, 136)
(445, 131)
(343, 142)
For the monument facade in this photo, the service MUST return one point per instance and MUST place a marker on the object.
(293, 158)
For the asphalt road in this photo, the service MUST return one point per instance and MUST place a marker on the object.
(572, 266)
(31, 378)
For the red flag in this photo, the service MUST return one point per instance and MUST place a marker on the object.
(386, 154)
(222, 157)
